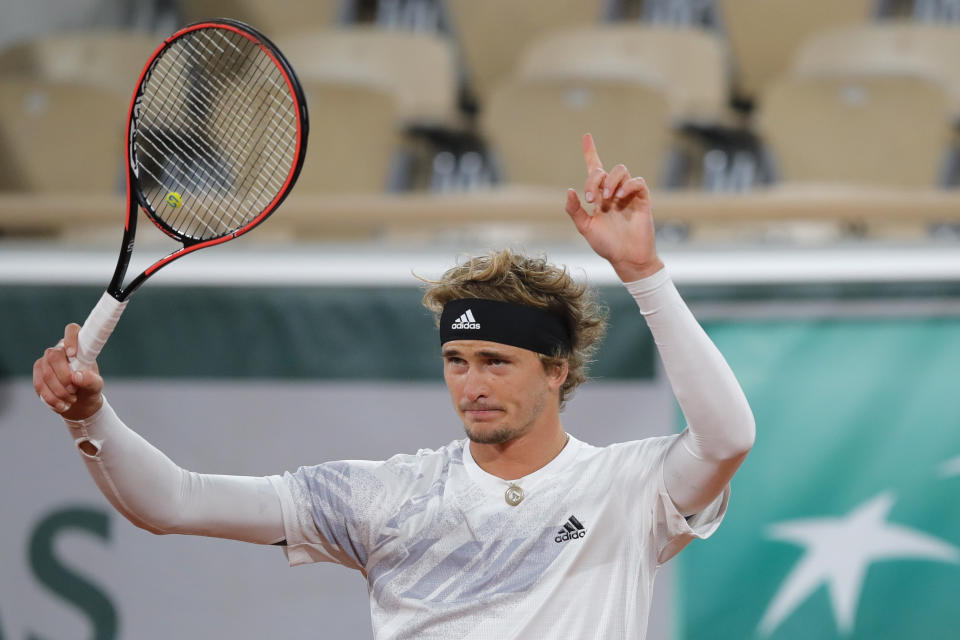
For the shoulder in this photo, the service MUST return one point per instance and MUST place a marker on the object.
(632, 455)
(427, 458)
(425, 462)
(646, 446)
(424, 465)
(643, 446)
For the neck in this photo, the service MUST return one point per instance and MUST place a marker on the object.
(521, 456)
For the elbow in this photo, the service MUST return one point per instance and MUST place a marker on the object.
(736, 442)
(155, 523)
(146, 526)
(741, 431)
(156, 516)
(168, 510)
(744, 437)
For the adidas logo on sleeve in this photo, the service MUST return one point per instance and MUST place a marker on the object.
(572, 530)
(466, 321)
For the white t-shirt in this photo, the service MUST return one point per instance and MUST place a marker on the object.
(446, 557)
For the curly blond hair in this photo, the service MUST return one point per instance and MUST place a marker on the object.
(512, 277)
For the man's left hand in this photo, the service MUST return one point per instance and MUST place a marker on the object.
(621, 227)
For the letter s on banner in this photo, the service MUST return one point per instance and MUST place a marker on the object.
(64, 582)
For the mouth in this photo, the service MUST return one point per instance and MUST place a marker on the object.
(481, 415)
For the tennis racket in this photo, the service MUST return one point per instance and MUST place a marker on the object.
(216, 137)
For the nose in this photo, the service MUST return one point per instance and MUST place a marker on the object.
(475, 384)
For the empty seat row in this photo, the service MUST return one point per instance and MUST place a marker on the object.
(637, 87)
(894, 131)
(759, 37)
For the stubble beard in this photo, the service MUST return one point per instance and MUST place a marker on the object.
(497, 436)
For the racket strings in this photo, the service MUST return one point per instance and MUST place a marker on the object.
(216, 136)
(201, 176)
(269, 143)
(167, 142)
(216, 78)
(205, 167)
(227, 64)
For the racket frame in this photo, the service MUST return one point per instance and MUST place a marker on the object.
(135, 198)
(102, 320)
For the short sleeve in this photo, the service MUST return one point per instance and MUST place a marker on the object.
(640, 465)
(330, 511)
(672, 530)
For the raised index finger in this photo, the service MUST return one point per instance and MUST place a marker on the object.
(590, 155)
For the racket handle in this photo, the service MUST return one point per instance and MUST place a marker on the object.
(96, 329)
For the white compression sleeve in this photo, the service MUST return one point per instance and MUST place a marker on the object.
(155, 494)
(720, 425)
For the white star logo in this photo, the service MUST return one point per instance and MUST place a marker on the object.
(950, 468)
(838, 553)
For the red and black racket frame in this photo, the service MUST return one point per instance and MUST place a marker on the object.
(135, 198)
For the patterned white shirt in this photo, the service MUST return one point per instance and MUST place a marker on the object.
(446, 556)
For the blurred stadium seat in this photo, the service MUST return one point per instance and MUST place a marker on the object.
(491, 34)
(419, 16)
(418, 67)
(271, 18)
(883, 130)
(690, 64)
(941, 11)
(764, 34)
(535, 126)
(902, 47)
(61, 137)
(688, 13)
(354, 136)
(112, 59)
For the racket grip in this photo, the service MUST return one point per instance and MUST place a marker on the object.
(96, 329)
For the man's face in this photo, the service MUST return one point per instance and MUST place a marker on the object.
(499, 391)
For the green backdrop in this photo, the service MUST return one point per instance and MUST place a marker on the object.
(845, 519)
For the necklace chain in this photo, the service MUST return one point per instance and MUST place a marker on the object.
(514, 495)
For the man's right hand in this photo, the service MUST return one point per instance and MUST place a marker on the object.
(75, 395)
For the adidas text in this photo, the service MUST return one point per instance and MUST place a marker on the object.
(573, 529)
(466, 321)
(570, 536)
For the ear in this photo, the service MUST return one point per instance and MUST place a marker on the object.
(557, 374)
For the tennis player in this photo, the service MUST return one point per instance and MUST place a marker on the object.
(520, 530)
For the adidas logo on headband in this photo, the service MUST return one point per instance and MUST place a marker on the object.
(510, 323)
(466, 321)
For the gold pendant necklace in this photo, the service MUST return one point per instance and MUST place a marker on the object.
(513, 495)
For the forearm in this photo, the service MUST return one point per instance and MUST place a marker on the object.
(716, 410)
(720, 425)
(155, 494)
